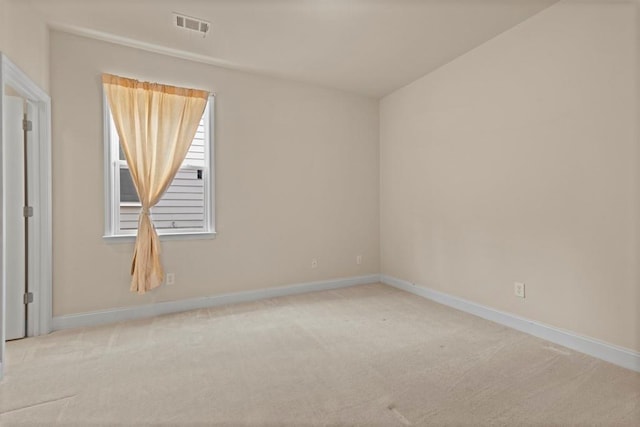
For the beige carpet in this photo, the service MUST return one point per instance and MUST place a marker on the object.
(368, 355)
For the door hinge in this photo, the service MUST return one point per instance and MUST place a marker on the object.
(28, 297)
(27, 211)
(27, 125)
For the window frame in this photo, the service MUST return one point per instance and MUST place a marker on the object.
(113, 164)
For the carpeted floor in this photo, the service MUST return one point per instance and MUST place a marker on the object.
(367, 355)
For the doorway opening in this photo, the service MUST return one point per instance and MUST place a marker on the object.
(25, 207)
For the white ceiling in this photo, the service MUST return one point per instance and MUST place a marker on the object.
(370, 47)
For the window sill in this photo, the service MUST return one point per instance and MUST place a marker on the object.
(196, 235)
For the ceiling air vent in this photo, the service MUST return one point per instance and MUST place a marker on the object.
(193, 24)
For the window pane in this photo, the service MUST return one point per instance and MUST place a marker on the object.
(182, 206)
(128, 192)
(195, 155)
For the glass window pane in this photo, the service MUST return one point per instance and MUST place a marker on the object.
(127, 189)
(182, 206)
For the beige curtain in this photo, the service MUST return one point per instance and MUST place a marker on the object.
(156, 124)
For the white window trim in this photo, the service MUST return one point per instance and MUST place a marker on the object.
(112, 177)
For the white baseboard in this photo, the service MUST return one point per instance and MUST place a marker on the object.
(102, 317)
(617, 355)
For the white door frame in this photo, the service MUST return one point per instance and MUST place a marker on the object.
(39, 177)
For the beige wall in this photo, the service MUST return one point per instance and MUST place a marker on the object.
(3, 23)
(519, 161)
(24, 38)
(297, 178)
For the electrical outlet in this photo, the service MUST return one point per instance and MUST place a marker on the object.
(359, 259)
(171, 279)
(314, 263)
(518, 289)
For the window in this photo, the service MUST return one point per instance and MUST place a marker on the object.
(186, 208)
